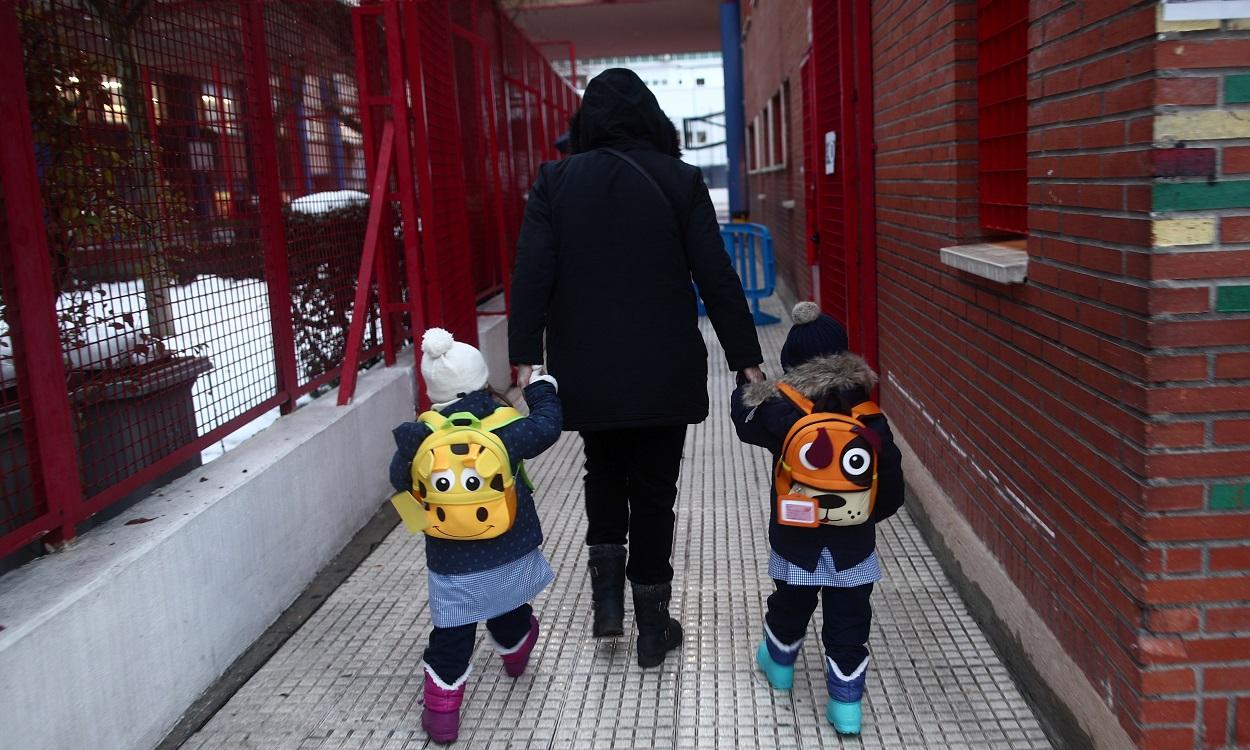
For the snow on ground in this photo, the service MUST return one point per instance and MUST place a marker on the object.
(321, 203)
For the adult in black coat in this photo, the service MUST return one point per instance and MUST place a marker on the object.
(604, 268)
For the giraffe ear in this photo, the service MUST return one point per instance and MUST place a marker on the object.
(488, 464)
(425, 464)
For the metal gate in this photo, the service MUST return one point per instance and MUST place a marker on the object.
(837, 82)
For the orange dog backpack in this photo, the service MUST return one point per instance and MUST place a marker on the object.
(827, 471)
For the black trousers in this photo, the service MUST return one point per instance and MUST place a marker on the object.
(631, 488)
(451, 649)
(848, 616)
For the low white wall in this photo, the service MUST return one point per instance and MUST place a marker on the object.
(106, 644)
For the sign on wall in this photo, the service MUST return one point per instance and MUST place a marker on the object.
(1204, 10)
(831, 150)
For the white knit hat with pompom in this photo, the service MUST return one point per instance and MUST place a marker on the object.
(450, 369)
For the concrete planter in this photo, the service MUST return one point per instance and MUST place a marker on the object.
(122, 425)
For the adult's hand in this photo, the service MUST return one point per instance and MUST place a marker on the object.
(523, 375)
(754, 374)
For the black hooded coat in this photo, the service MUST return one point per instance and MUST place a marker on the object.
(604, 268)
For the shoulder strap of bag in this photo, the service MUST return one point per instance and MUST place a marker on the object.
(631, 162)
(501, 418)
(795, 397)
(865, 409)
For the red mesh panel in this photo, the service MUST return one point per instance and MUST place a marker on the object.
(149, 154)
(1002, 108)
(449, 235)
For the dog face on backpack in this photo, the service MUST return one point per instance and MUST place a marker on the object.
(826, 476)
(464, 491)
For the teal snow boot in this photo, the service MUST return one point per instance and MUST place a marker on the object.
(776, 660)
(845, 693)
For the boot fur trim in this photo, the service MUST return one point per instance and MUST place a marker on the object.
(785, 649)
(833, 665)
(459, 680)
(499, 649)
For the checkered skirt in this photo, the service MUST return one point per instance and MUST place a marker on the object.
(473, 597)
(867, 570)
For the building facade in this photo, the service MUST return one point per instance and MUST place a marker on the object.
(1034, 217)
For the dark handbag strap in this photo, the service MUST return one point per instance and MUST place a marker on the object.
(659, 190)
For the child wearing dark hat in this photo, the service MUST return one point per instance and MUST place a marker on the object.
(475, 580)
(826, 547)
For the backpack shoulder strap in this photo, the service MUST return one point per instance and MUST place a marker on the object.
(501, 418)
(795, 397)
(865, 409)
(433, 420)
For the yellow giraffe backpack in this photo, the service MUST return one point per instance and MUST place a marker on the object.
(463, 479)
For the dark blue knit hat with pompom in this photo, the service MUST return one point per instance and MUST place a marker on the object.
(814, 334)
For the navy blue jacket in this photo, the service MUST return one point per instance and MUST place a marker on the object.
(524, 439)
(763, 417)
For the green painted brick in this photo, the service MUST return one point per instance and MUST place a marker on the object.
(1232, 299)
(1196, 196)
(1230, 496)
(1237, 90)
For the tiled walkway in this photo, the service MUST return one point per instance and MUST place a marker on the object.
(351, 677)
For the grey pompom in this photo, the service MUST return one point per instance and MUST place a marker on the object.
(805, 312)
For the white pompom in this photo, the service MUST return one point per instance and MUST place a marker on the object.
(805, 312)
(436, 342)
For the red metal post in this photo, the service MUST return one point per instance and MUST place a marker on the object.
(269, 190)
(406, 176)
(364, 282)
(427, 278)
(36, 336)
(386, 272)
(497, 173)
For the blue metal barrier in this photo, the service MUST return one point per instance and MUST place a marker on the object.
(750, 248)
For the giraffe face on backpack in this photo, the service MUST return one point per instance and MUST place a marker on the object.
(462, 479)
(462, 488)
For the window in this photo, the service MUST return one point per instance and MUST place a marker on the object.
(1002, 114)
(753, 145)
(767, 136)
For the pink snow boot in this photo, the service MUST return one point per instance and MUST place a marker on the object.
(517, 658)
(441, 717)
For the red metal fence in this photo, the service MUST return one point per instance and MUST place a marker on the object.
(181, 232)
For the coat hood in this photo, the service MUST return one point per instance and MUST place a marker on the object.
(619, 110)
(815, 378)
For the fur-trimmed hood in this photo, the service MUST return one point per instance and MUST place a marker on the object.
(815, 378)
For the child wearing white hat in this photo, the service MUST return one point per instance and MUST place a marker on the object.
(476, 579)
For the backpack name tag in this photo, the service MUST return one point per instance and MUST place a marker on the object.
(797, 510)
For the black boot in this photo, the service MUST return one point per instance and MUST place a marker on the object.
(607, 586)
(657, 632)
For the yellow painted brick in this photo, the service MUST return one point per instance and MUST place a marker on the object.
(1173, 232)
(1239, 24)
(1164, 27)
(1203, 125)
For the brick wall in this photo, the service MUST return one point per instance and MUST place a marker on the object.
(1028, 402)
(1196, 591)
(1092, 424)
(774, 43)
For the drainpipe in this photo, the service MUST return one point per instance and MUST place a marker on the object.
(735, 117)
